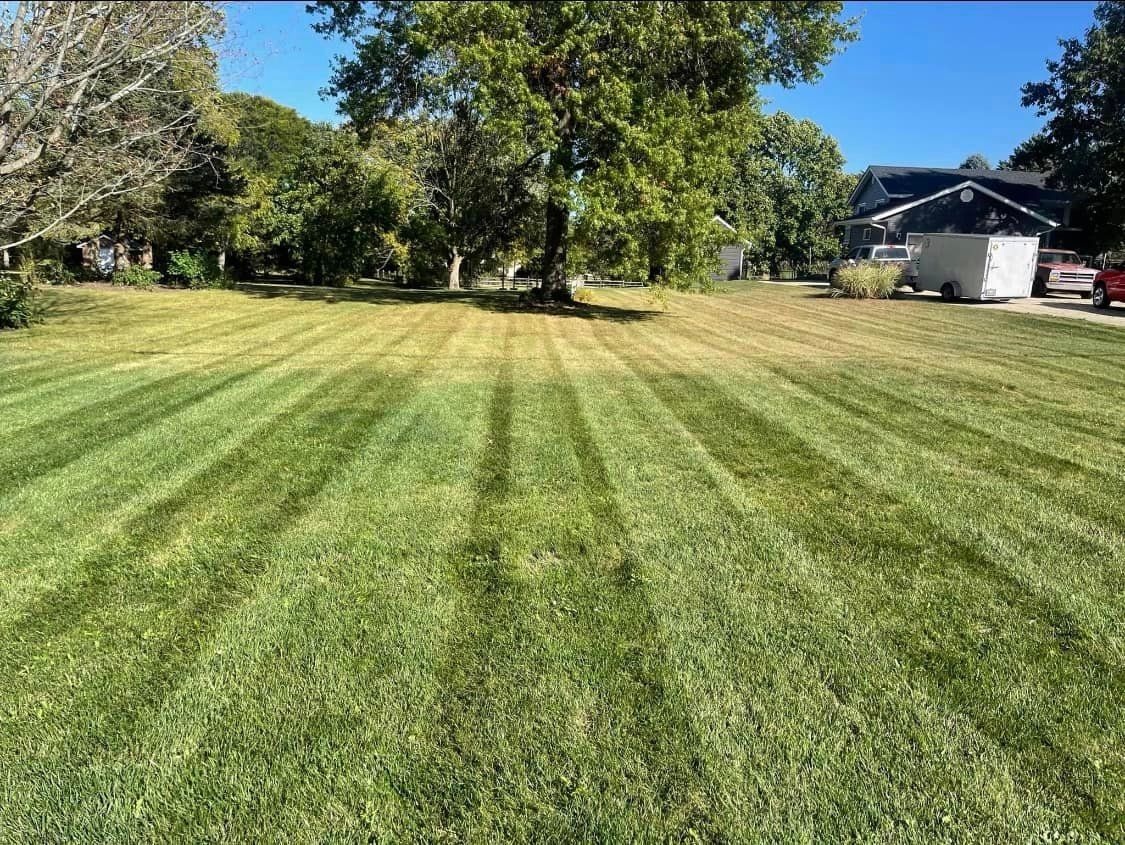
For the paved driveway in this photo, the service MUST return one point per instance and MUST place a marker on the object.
(1053, 305)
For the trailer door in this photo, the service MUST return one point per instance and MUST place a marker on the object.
(1011, 267)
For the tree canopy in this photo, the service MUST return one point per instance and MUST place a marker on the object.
(788, 186)
(1082, 143)
(616, 99)
(975, 161)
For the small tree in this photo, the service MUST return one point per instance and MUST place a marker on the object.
(976, 161)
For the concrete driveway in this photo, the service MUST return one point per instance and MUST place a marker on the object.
(1053, 305)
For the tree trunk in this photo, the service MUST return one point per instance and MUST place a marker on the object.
(554, 250)
(455, 270)
(561, 170)
(7, 259)
(120, 251)
(221, 260)
(120, 257)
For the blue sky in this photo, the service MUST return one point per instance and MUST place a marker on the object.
(926, 84)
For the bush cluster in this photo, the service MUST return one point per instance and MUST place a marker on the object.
(17, 300)
(47, 271)
(136, 276)
(867, 281)
(194, 269)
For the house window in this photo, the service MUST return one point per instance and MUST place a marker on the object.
(866, 234)
(862, 207)
(881, 201)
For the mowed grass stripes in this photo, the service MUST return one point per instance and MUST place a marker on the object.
(378, 565)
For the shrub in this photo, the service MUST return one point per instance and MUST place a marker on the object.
(136, 276)
(194, 269)
(583, 294)
(53, 272)
(867, 281)
(17, 300)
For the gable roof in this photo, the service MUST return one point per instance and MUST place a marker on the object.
(1023, 187)
(884, 212)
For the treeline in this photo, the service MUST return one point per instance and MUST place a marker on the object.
(586, 137)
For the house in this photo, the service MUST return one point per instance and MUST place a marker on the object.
(731, 255)
(105, 253)
(898, 205)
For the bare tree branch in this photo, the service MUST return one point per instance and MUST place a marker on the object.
(98, 99)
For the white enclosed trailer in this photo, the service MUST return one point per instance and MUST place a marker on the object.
(977, 266)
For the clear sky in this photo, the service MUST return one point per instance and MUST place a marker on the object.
(926, 84)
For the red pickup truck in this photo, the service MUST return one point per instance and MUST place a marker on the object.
(1109, 286)
(1062, 269)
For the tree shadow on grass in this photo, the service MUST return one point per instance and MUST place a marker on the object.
(499, 301)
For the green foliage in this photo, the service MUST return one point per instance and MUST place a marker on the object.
(976, 161)
(871, 280)
(1083, 140)
(46, 271)
(194, 269)
(18, 305)
(337, 207)
(471, 189)
(621, 99)
(227, 205)
(136, 276)
(1036, 154)
(788, 184)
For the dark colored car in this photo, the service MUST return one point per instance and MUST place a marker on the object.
(1109, 286)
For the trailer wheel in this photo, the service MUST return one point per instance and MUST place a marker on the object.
(1084, 294)
(1038, 287)
(1101, 298)
(948, 294)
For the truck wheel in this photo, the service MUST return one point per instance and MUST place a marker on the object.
(1101, 298)
(948, 294)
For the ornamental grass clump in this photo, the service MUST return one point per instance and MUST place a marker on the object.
(867, 281)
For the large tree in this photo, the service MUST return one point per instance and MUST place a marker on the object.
(1083, 140)
(227, 206)
(471, 186)
(587, 84)
(97, 100)
(336, 207)
(788, 186)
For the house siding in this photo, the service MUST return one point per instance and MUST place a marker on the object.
(870, 194)
(730, 263)
(855, 235)
(983, 215)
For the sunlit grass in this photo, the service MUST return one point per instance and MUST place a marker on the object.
(384, 566)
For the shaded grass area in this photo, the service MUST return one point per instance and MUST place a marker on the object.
(392, 565)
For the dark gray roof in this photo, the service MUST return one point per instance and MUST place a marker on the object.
(907, 183)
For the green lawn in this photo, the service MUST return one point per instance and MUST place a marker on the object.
(383, 566)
